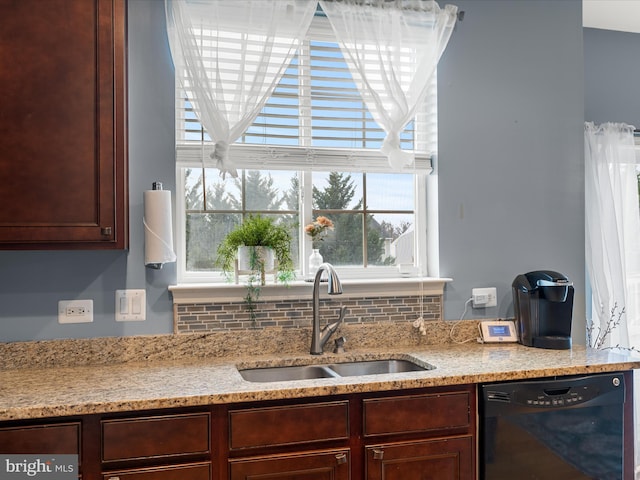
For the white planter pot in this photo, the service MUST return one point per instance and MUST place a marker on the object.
(253, 258)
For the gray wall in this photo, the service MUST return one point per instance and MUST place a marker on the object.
(510, 171)
(510, 90)
(612, 76)
(31, 283)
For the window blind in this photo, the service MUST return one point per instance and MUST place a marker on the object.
(314, 120)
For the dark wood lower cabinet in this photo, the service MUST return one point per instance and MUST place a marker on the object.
(171, 446)
(420, 434)
(423, 434)
(438, 459)
(317, 465)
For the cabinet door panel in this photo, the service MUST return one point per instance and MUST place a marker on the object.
(441, 459)
(62, 124)
(318, 465)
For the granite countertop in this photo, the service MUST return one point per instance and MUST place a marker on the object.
(49, 391)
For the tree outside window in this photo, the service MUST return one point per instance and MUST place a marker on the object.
(215, 206)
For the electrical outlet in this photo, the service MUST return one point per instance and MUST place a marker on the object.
(75, 311)
(484, 297)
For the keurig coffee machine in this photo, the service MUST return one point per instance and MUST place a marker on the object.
(543, 307)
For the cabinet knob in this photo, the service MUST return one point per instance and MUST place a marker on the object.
(378, 454)
(341, 458)
(106, 231)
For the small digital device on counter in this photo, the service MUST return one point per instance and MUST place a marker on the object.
(498, 331)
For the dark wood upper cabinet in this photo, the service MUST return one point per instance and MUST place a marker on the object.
(63, 144)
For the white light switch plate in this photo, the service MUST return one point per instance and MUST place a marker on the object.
(131, 305)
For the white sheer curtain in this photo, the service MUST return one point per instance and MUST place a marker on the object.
(392, 49)
(613, 244)
(253, 41)
(612, 232)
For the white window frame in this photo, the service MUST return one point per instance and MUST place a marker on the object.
(379, 272)
(325, 159)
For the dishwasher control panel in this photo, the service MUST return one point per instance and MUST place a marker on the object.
(557, 393)
(553, 399)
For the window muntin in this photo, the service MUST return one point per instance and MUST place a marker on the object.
(355, 202)
(214, 206)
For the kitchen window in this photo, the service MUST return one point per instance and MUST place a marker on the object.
(313, 150)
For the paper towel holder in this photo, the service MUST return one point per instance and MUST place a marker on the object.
(150, 233)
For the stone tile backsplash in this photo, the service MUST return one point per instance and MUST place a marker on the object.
(283, 328)
(231, 316)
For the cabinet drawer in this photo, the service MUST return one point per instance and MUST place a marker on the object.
(416, 413)
(317, 465)
(200, 471)
(61, 439)
(155, 437)
(288, 425)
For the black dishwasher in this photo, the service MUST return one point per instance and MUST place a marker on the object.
(560, 428)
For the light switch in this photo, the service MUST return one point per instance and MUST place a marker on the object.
(124, 305)
(135, 305)
(131, 305)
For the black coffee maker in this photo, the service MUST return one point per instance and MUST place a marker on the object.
(543, 306)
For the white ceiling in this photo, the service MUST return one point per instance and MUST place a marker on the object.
(623, 15)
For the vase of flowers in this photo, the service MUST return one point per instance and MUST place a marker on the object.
(317, 230)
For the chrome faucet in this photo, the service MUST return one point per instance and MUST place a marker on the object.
(320, 337)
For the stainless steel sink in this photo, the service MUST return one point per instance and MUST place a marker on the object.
(346, 369)
(283, 374)
(375, 367)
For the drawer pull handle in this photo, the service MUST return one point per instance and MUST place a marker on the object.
(378, 454)
(341, 458)
(114, 478)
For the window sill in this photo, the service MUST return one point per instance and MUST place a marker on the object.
(200, 293)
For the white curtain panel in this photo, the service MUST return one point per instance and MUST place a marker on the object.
(612, 233)
(248, 45)
(392, 49)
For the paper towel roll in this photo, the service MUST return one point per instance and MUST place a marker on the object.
(158, 229)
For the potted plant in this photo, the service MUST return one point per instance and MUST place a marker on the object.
(265, 246)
